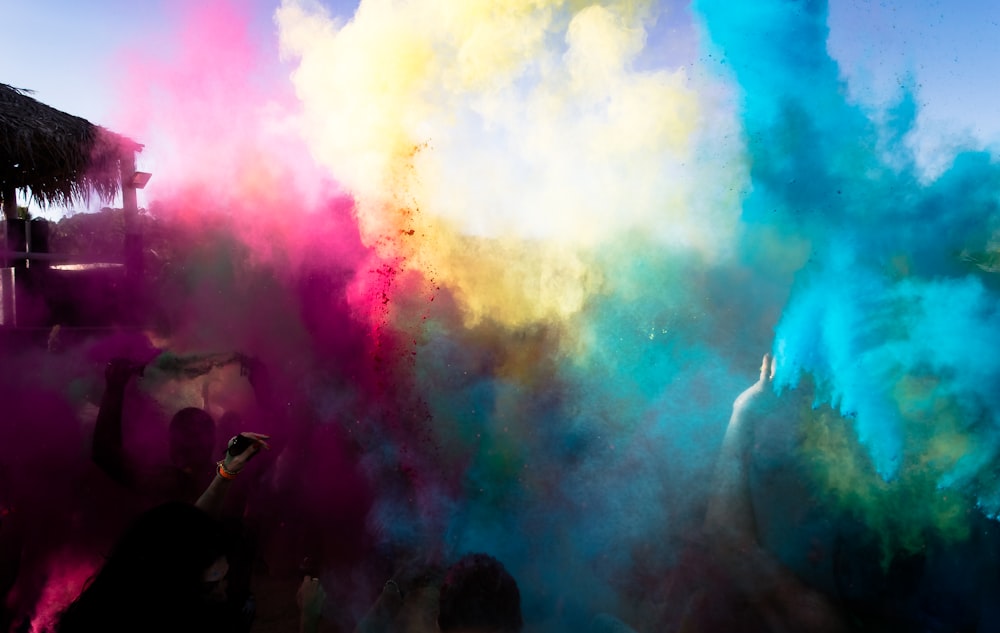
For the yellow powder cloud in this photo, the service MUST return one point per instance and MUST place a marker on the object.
(512, 137)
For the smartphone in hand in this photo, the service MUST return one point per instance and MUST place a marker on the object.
(238, 444)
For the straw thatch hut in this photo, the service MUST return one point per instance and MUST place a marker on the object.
(58, 157)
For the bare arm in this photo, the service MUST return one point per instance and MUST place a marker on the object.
(778, 594)
(730, 509)
(211, 501)
(310, 599)
(382, 614)
(260, 380)
(107, 449)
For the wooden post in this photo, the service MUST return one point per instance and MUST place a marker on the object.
(133, 239)
(8, 306)
(130, 211)
(9, 202)
(130, 203)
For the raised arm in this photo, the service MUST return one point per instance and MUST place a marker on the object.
(785, 602)
(211, 501)
(382, 614)
(260, 380)
(107, 450)
(310, 599)
(730, 513)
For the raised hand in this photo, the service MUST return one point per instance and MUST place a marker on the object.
(310, 599)
(258, 442)
(756, 392)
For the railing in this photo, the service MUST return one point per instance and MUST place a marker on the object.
(40, 289)
(23, 240)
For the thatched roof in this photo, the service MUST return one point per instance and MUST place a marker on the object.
(59, 157)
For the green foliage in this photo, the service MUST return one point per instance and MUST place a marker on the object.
(912, 508)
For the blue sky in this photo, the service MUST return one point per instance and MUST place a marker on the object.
(65, 50)
(950, 49)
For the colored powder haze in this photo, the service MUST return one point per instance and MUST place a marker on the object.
(510, 262)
